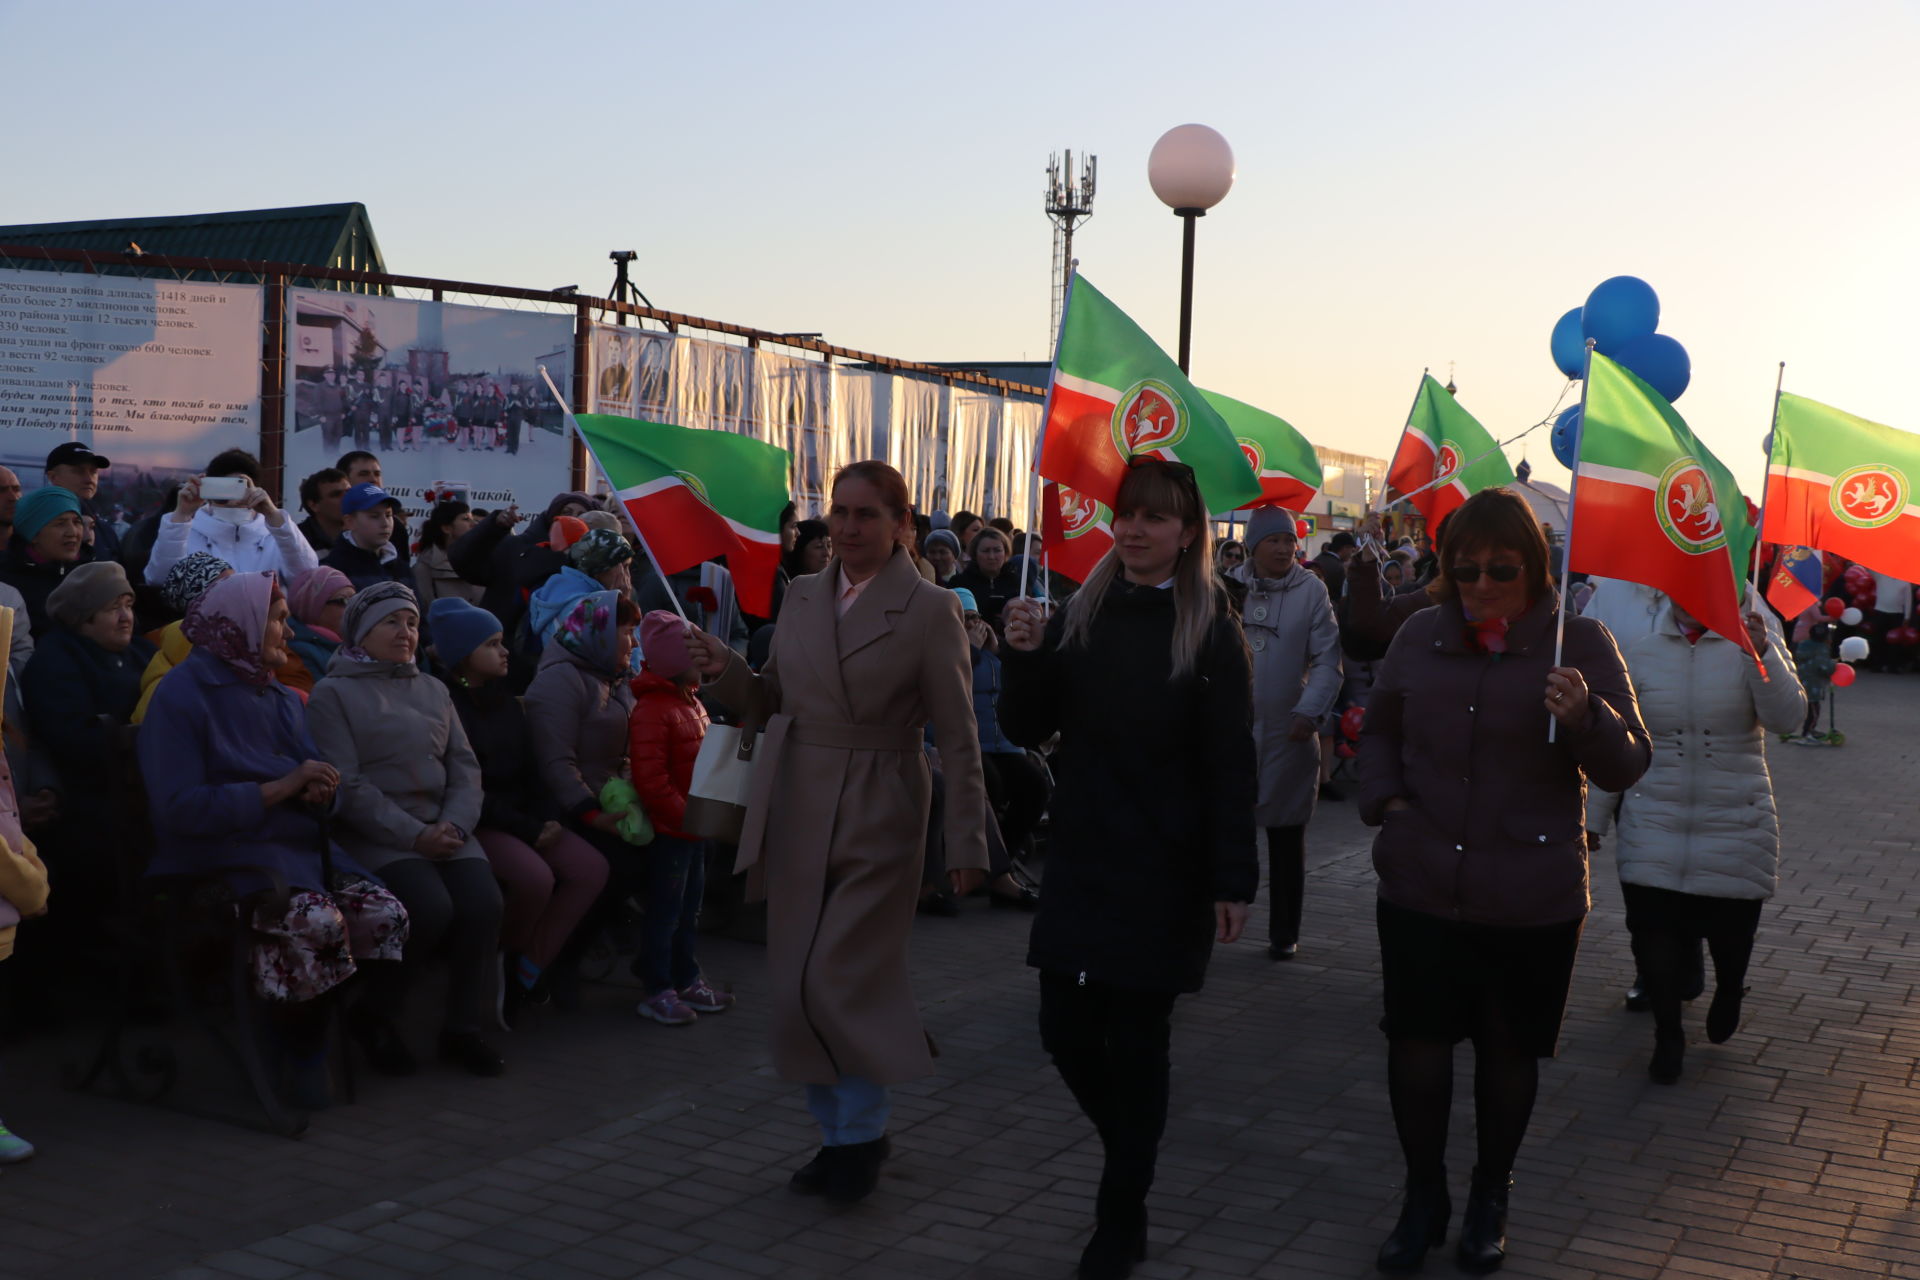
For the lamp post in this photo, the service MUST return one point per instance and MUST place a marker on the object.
(1191, 170)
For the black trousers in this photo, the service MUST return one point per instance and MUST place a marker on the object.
(1667, 927)
(453, 907)
(1286, 882)
(1110, 1045)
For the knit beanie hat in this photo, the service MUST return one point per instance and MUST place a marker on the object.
(598, 552)
(663, 643)
(189, 578)
(940, 520)
(967, 603)
(602, 520)
(373, 604)
(944, 538)
(40, 508)
(1268, 522)
(564, 532)
(459, 628)
(87, 590)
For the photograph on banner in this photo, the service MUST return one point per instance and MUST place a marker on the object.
(156, 376)
(449, 396)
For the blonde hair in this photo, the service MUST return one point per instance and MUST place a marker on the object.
(1197, 594)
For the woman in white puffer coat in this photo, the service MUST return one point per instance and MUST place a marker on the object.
(1698, 842)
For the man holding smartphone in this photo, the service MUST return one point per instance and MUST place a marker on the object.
(226, 514)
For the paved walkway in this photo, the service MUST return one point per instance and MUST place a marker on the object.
(616, 1148)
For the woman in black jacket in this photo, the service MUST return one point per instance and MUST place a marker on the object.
(989, 574)
(1152, 855)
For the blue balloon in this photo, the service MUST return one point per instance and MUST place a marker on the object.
(1618, 311)
(1566, 432)
(1659, 361)
(1570, 345)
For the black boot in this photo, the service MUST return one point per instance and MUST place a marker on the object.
(811, 1178)
(1723, 1015)
(1120, 1218)
(1423, 1224)
(854, 1171)
(1669, 1051)
(1483, 1228)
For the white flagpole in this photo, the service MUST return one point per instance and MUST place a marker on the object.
(1046, 410)
(1766, 483)
(1566, 554)
(631, 523)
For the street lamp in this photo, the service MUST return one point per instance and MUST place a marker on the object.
(1191, 170)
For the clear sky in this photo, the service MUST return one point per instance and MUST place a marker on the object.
(1419, 184)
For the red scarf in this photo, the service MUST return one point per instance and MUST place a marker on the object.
(1488, 636)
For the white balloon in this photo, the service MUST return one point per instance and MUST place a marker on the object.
(1853, 649)
(1851, 617)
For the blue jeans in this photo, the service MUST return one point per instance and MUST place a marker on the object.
(676, 880)
(851, 1110)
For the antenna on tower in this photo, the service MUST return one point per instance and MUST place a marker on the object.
(1069, 200)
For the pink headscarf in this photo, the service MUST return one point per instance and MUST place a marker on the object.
(229, 620)
(307, 599)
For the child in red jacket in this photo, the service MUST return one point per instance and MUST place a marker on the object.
(665, 733)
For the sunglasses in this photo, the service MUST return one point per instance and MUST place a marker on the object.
(1469, 574)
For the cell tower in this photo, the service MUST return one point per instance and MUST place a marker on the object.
(1068, 201)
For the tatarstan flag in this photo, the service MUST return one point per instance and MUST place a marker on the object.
(1444, 443)
(1286, 465)
(1115, 395)
(1652, 505)
(1075, 530)
(1842, 484)
(697, 494)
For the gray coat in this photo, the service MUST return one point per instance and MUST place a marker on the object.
(1295, 644)
(577, 717)
(403, 758)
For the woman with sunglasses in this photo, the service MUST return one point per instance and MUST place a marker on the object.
(1145, 677)
(1481, 853)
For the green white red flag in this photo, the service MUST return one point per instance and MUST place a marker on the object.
(1285, 464)
(697, 494)
(1445, 456)
(1842, 484)
(1076, 531)
(1652, 505)
(1115, 395)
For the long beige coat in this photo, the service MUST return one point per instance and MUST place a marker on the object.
(838, 821)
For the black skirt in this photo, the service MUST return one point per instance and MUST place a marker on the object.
(1444, 978)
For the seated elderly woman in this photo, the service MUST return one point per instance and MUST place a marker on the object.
(318, 600)
(85, 665)
(234, 783)
(410, 798)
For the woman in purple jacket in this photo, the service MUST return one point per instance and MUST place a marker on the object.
(1482, 852)
(234, 782)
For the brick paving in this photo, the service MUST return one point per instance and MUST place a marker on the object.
(618, 1148)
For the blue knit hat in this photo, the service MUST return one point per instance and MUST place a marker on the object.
(458, 628)
(41, 507)
(967, 603)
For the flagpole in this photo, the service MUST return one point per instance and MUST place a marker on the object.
(1766, 481)
(1566, 555)
(1046, 412)
(631, 522)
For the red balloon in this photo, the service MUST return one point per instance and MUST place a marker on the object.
(1834, 606)
(1345, 750)
(1350, 721)
(1857, 573)
(1844, 675)
(1301, 528)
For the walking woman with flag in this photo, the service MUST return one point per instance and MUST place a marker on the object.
(1146, 679)
(1481, 852)
(867, 654)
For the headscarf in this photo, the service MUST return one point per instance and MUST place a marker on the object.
(589, 630)
(598, 552)
(308, 596)
(229, 620)
(190, 577)
(366, 609)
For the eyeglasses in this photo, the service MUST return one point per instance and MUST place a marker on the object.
(1469, 574)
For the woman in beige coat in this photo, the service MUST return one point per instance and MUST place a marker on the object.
(866, 655)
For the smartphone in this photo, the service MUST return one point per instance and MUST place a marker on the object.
(223, 488)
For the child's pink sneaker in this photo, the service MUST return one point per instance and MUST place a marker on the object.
(703, 997)
(667, 1007)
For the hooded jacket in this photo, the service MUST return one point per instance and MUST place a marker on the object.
(664, 738)
(577, 715)
(1701, 819)
(253, 547)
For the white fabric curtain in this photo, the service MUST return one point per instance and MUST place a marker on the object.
(916, 412)
(1019, 437)
(793, 408)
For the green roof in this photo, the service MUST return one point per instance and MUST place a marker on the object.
(321, 235)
